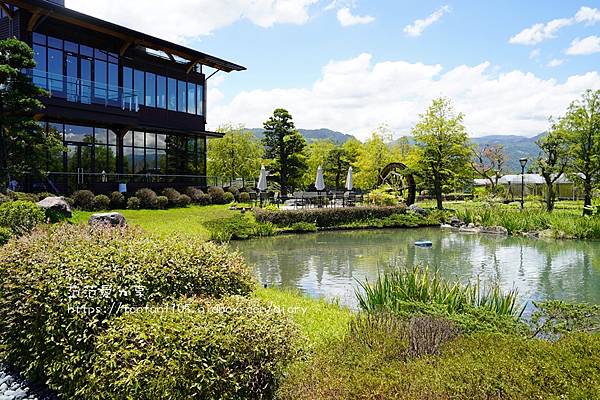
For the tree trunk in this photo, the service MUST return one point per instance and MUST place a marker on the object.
(587, 199)
(437, 187)
(549, 196)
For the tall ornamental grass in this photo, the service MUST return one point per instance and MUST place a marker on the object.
(394, 289)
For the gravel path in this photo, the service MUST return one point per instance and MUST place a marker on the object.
(13, 387)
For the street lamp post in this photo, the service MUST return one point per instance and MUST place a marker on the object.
(523, 162)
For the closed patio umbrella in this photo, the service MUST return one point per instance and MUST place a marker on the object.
(320, 182)
(349, 183)
(262, 183)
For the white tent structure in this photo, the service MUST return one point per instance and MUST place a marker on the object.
(349, 180)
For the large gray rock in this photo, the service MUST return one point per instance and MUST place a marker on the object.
(109, 219)
(495, 230)
(417, 210)
(57, 204)
(455, 222)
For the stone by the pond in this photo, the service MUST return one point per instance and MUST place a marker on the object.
(57, 204)
(455, 222)
(495, 230)
(110, 219)
(417, 210)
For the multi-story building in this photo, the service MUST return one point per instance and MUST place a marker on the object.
(130, 107)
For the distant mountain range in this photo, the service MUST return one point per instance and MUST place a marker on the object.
(516, 147)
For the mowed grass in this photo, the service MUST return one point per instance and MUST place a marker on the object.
(320, 320)
(174, 221)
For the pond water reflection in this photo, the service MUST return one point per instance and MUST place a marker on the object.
(328, 264)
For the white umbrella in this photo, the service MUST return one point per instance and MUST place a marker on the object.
(349, 183)
(262, 179)
(320, 182)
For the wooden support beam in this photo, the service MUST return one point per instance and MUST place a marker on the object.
(191, 66)
(124, 47)
(35, 18)
(170, 56)
(7, 9)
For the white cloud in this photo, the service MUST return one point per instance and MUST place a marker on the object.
(534, 54)
(588, 15)
(182, 20)
(418, 27)
(357, 95)
(555, 62)
(540, 32)
(346, 18)
(585, 46)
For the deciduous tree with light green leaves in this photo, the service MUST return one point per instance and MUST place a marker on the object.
(373, 156)
(582, 131)
(443, 146)
(284, 147)
(316, 155)
(238, 154)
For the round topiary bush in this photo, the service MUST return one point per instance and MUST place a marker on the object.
(84, 200)
(162, 202)
(234, 191)
(22, 196)
(21, 216)
(232, 348)
(217, 195)
(147, 198)
(117, 200)
(101, 202)
(203, 199)
(133, 203)
(60, 286)
(5, 235)
(172, 195)
(228, 197)
(244, 197)
(184, 200)
(194, 194)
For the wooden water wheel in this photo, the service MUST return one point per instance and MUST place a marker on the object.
(397, 176)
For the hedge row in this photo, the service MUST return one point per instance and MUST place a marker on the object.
(326, 217)
(60, 286)
(18, 217)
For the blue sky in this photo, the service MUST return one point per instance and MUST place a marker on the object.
(356, 77)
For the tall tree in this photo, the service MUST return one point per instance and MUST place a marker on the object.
(444, 146)
(582, 132)
(336, 165)
(284, 146)
(488, 162)
(373, 156)
(238, 154)
(23, 143)
(316, 153)
(553, 160)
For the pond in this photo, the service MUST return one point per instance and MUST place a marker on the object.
(329, 264)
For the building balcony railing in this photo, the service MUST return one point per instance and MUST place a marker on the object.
(85, 92)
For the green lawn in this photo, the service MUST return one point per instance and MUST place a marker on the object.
(185, 221)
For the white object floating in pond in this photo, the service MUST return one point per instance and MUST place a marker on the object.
(423, 243)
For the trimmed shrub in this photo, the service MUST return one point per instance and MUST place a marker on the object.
(101, 202)
(304, 227)
(147, 198)
(117, 200)
(41, 196)
(326, 217)
(234, 191)
(22, 196)
(5, 235)
(84, 200)
(194, 194)
(244, 197)
(133, 203)
(172, 195)
(217, 195)
(21, 216)
(59, 287)
(238, 227)
(184, 200)
(162, 202)
(228, 197)
(204, 199)
(228, 349)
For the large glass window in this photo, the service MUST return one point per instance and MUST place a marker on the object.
(138, 85)
(172, 93)
(79, 134)
(39, 76)
(72, 77)
(55, 70)
(86, 81)
(113, 83)
(100, 86)
(181, 96)
(161, 92)
(200, 100)
(191, 101)
(150, 89)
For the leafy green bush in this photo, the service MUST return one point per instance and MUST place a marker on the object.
(4, 198)
(84, 200)
(217, 195)
(5, 235)
(203, 199)
(555, 318)
(147, 198)
(238, 227)
(22, 196)
(483, 366)
(184, 200)
(101, 202)
(304, 227)
(42, 195)
(193, 193)
(21, 216)
(162, 202)
(228, 197)
(244, 197)
(383, 196)
(228, 349)
(326, 217)
(234, 191)
(133, 203)
(117, 200)
(172, 196)
(59, 287)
